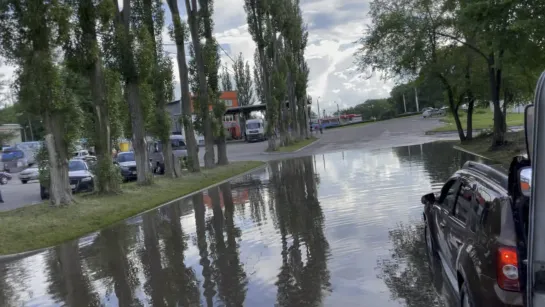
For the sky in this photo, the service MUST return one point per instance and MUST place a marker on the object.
(334, 26)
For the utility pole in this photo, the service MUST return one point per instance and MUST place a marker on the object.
(404, 103)
(416, 98)
(318, 103)
(338, 112)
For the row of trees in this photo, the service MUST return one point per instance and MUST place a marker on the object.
(97, 68)
(477, 51)
(281, 73)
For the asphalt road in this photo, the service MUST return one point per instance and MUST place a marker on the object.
(396, 132)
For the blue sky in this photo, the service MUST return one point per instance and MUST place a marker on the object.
(334, 26)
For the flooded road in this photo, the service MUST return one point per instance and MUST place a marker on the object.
(337, 229)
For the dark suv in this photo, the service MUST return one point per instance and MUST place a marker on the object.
(470, 229)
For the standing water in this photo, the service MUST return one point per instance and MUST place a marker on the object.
(339, 229)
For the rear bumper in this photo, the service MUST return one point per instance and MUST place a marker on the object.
(255, 137)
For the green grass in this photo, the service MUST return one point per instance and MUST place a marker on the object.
(516, 144)
(297, 145)
(39, 226)
(482, 119)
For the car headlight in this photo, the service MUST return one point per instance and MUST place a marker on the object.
(86, 179)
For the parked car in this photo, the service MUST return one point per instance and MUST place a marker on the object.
(470, 229)
(14, 160)
(4, 178)
(31, 173)
(127, 165)
(155, 150)
(80, 175)
(434, 112)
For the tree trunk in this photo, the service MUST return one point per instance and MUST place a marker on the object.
(469, 125)
(138, 134)
(177, 166)
(60, 192)
(498, 137)
(168, 158)
(203, 88)
(106, 182)
(453, 108)
(187, 121)
(294, 120)
(222, 152)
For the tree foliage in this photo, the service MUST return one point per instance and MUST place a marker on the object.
(467, 45)
(243, 81)
(226, 83)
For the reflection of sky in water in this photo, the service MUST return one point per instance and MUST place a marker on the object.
(362, 194)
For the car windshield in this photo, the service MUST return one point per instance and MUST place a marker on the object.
(76, 165)
(125, 157)
(253, 125)
(177, 144)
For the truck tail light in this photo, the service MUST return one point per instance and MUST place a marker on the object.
(507, 269)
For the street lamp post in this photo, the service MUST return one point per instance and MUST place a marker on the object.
(318, 103)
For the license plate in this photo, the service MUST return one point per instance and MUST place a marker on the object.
(134, 172)
(73, 186)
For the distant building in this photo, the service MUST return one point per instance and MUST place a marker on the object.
(175, 109)
(11, 128)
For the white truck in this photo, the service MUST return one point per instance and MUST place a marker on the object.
(255, 130)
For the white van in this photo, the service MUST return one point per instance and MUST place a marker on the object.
(255, 130)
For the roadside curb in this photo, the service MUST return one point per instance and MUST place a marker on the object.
(36, 251)
(470, 152)
(289, 152)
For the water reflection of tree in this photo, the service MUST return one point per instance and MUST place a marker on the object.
(406, 273)
(228, 272)
(150, 257)
(67, 281)
(300, 217)
(7, 292)
(208, 284)
(109, 261)
(182, 287)
(439, 158)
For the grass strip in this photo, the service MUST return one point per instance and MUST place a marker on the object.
(297, 145)
(40, 225)
(482, 119)
(516, 144)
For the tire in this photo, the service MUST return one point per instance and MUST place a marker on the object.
(24, 181)
(3, 181)
(466, 299)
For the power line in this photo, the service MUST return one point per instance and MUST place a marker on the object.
(226, 53)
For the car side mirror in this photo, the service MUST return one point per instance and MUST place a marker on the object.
(428, 199)
(525, 181)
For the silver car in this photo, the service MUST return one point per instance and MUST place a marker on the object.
(31, 173)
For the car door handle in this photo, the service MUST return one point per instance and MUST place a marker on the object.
(442, 225)
(458, 242)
